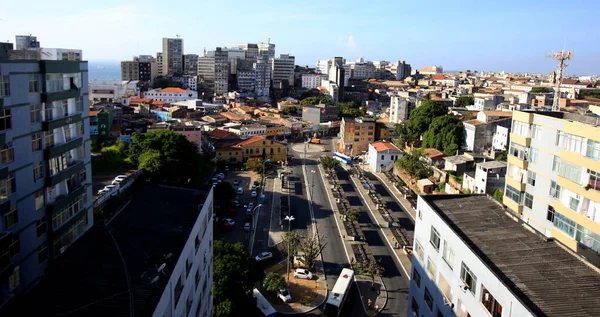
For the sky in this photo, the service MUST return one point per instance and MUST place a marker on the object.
(507, 35)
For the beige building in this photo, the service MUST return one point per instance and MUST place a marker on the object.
(130, 70)
(356, 134)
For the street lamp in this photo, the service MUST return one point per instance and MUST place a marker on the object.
(289, 220)
(253, 227)
(262, 190)
(312, 188)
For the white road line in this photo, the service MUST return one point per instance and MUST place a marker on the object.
(393, 193)
(384, 235)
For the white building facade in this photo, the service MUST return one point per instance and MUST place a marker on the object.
(247, 131)
(169, 95)
(282, 69)
(382, 155)
(263, 77)
(311, 81)
(113, 90)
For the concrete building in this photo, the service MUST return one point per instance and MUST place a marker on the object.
(312, 81)
(471, 258)
(206, 74)
(246, 79)
(172, 55)
(323, 66)
(190, 64)
(403, 70)
(25, 42)
(360, 69)
(355, 135)
(431, 70)
(234, 55)
(337, 74)
(486, 179)
(266, 50)
(500, 139)
(168, 95)
(320, 113)
(552, 181)
(400, 108)
(148, 68)
(130, 70)
(251, 51)
(248, 130)
(263, 77)
(221, 86)
(486, 103)
(479, 133)
(45, 166)
(159, 64)
(382, 155)
(112, 91)
(330, 88)
(282, 70)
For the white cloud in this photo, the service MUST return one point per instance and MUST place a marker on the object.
(350, 44)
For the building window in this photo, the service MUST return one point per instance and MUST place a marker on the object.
(550, 214)
(593, 149)
(520, 128)
(434, 238)
(431, 268)
(468, 278)
(15, 278)
(554, 190)
(588, 238)
(11, 218)
(34, 85)
(513, 194)
(564, 224)
(415, 307)
(5, 120)
(39, 199)
(38, 170)
(418, 250)
(49, 138)
(4, 86)
(448, 254)
(574, 202)
(533, 155)
(536, 131)
(40, 226)
(531, 178)
(518, 151)
(35, 113)
(555, 163)
(36, 142)
(570, 142)
(416, 277)
(428, 299)
(570, 171)
(528, 200)
(66, 213)
(490, 303)
(42, 254)
(7, 153)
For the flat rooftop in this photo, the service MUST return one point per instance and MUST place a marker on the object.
(492, 164)
(588, 119)
(89, 279)
(546, 278)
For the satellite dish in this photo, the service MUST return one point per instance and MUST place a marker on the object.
(162, 267)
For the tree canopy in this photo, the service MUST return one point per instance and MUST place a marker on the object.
(273, 282)
(421, 117)
(169, 157)
(256, 165)
(329, 162)
(310, 93)
(290, 110)
(411, 163)
(538, 90)
(315, 100)
(164, 82)
(464, 101)
(499, 195)
(445, 134)
(350, 109)
(234, 275)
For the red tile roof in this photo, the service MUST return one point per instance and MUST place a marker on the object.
(172, 89)
(158, 102)
(140, 100)
(250, 141)
(432, 153)
(384, 146)
(219, 134)
(437, 77)
(93, 113)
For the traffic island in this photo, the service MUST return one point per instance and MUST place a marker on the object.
(306, 295)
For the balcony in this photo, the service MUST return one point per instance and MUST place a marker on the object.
(64, 174)
(586, 190)
(3, 172)
(515, 184)
(515, 207)
(513, 160)
(57, 123)
(50, 66)
(522, 140)
(49, 97)
(62, 148)
(63, 201)
(576, 217)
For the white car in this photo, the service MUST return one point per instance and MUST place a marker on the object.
(253, 187)
(251, 205)
(263, 256)
(253, 193)
(240, 191)
(229, 221)
(110, 187)
(236, 203)
(121, 177)
(247, 226)
(220, 176)
(236, 182)
(302, 273)
(117, 181)
(102, 191)
(284, 295)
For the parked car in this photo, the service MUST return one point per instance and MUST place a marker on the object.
(254, 187)
(102, 191)
(229, 221)
(303, 273)
(121, 177)
(284, 295)
(236, 182)
(117, 181)
(236, 203)
(247, 226)
(227, 226)
(253, 193)
(240, 191)
(263, 256)
(220, 176)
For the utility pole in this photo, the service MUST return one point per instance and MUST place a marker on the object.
(561, 57)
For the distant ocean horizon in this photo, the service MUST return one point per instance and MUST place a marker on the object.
(104, 70)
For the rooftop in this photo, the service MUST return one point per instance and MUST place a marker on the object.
(458, 159)
(251, 140)
(384, 146)
(497, 113)
(545, 277)
(173, 89)
(92, 272)
(588, 119)
(492, 164)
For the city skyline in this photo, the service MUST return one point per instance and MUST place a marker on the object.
(490, 37)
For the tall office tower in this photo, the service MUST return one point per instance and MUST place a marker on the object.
(148, 67)
(190, 64)
(251, 51)
(266, 49)
(24, 42)
(282, 69)
(337, 75)
(45, 170)
(323, 66)
(172, 54)
(234, 55)
(400, 108)
(159, 64)
(130, 70)
(553, 177)
(206, 74)
(263, 77)
(221, 71)
(402, 70)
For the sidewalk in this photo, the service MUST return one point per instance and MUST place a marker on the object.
(363, 283)
(395, 192)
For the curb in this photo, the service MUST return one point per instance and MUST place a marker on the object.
(308, 310)
(380, 308)
(393, 193)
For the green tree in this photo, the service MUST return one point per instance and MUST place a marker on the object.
(539, 90)
(310, 93)
(111, 156)
(224, 192)
(501, 156)
(273, 282)
(164, 82)
(421, 117)
(595, 93)
(234, 275)
(352, 214)
(256, 165)
(350, 109)
(445, 133)
(464, 101)
(291, 241)
(329, 162)
(499, 195)
(312, 248)
(290, 110)
(411, 163)
(315, 100)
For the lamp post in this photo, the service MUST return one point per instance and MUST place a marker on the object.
(312, 188)
(262, 190)
(289, 220)
(253, 230)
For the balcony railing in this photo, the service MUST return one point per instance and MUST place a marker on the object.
(57, 123)
(57, 150)
(71, 170)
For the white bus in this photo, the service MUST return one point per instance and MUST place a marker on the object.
(263, 304)
(338, 294)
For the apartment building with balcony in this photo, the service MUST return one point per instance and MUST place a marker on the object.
(473, 258)
(45, 170)
(553, 177)
(355, 135)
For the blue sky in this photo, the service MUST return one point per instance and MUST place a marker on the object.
(464, 34)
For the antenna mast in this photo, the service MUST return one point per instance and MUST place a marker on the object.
(561, 57)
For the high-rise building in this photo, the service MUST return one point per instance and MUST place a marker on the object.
(266, 49)
(323, 66)
(172, 54)
(312, 81)
(472, 258)
(263, 77)
(400, 108)
(337, 75)
(190, 64)
(553, 177)
(148, 67)
(159, 64)
(43, 133)
(24, 42)
(206, 74)
(360, 69)
(251, 51)
(221, 71)
(402, 70)
(130, 70)
(282, 70)
(357, 134)
(234, 54)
